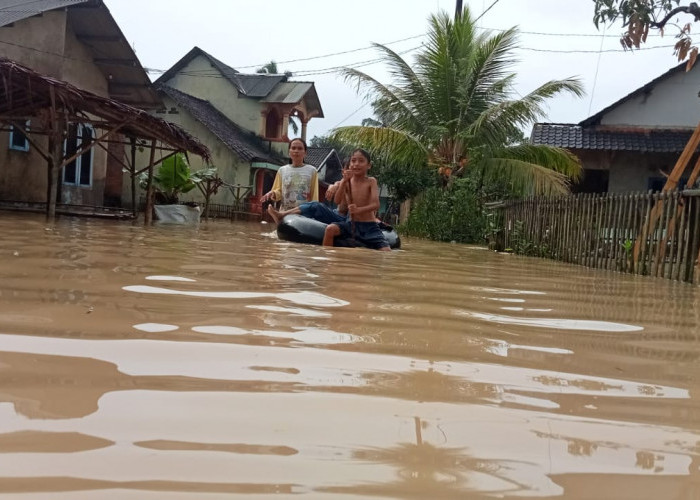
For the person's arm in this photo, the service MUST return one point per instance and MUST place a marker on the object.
(275, 194)
(373, 205)
(313, 195)
(342, 188)
(332, 189)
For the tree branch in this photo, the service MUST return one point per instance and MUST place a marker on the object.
(692, 9)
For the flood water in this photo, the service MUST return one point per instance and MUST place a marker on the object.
(219, 362)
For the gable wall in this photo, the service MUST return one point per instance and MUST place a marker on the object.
(37, 42)
(200, 79)
(229, 166)
(673, 102)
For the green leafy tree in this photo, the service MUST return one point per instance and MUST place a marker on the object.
(638, 17)
(454, 108)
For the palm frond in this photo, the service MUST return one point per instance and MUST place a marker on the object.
(533, 169)
(386, 144)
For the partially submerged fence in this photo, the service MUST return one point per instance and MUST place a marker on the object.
(656, 234)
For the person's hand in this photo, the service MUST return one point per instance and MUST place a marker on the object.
(351, 209)
(330, 192)
(347, 174)
(266, 196)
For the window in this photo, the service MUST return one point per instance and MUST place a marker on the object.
(79, 171)
(18, 141)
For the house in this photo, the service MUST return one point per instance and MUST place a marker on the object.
(633, 144)
(76, 42)
(243, 118)
(328, 164)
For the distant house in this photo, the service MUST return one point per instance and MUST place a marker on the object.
(78, 42)
(328, 164)
(634, 143)
(242, 118)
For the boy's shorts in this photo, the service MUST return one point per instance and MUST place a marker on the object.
(367, 233)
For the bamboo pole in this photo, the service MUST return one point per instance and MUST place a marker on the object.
(642, 242)
(673, 178)
(682, 237)
(671, 235)
(692, 273)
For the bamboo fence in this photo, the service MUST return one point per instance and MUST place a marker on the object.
(654, 234)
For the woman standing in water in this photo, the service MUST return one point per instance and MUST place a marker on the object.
(296, 182)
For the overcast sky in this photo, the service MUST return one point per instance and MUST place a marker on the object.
(557, 40)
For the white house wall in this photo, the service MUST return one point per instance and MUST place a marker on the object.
(673, 102)
(200, 79)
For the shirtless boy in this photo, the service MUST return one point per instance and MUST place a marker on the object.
(362, 195)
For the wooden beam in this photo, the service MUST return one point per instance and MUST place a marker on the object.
(671, 184)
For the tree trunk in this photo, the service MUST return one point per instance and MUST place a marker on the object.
(458, 9)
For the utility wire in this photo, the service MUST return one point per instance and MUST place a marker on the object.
(597, 68)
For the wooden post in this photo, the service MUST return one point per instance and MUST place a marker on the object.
(148, 214)
(672, 182)
(132, 140)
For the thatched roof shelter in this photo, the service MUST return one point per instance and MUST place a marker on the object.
(25, 93)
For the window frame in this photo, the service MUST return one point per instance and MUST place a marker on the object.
(78, 162)
(14, 132)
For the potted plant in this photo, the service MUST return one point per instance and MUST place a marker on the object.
(173, 179)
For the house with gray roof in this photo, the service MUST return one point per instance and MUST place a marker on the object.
(632, 144)
(77, 42)
(243, 118)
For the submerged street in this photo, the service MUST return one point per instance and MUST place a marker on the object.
(171, 362)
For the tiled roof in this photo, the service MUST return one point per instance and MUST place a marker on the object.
(327, 163)
(316, 156)
(12, 11)
(571, 136)
(245, 144)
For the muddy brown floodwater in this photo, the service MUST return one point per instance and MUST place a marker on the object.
(219, 362)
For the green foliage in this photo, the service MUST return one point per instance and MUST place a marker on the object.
(456, 101)
(402, 182)
(523, 246)
(174, 178)
(452, 214)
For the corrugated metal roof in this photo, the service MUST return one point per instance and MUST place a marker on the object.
(642, 140)
(12, 11)
(258, 85)
(288, 92)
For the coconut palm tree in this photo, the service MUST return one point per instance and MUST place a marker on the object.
(455, 107)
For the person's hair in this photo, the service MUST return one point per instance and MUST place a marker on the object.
(363, 153)
(346, 163)
(300, 140)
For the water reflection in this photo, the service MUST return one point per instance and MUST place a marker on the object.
(141, 361)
